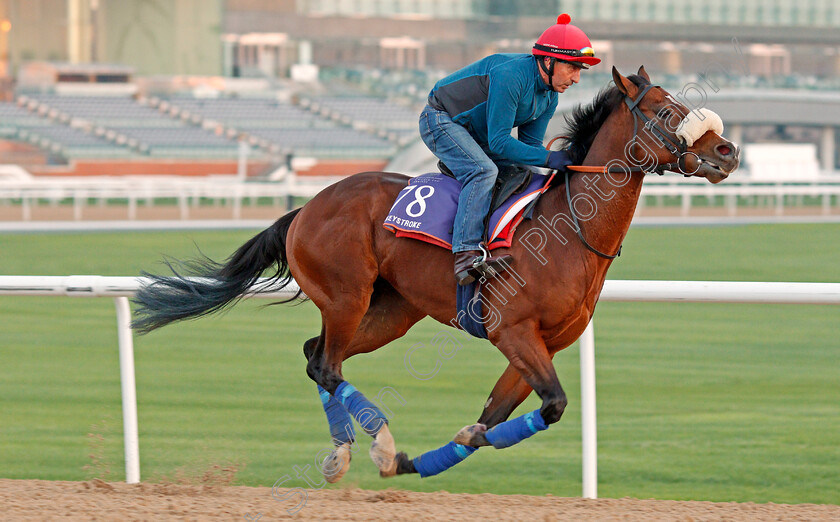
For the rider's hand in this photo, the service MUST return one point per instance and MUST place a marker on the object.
(558, 160)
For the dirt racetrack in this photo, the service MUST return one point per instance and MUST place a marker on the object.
(98, 500)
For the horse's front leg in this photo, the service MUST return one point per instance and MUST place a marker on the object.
(508, 393)
(527, 352)
(530, 357)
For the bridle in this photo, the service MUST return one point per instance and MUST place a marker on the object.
(674, 145)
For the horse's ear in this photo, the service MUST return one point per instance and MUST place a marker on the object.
(643, 73)
(624, 85)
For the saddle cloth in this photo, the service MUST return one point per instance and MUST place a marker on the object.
(425, 210)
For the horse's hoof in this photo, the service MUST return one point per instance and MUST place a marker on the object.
(383, 452)
(404, 464)
(472, 436)
(337, 463)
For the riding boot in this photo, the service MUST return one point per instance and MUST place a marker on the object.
(465, 270)
(469, 266)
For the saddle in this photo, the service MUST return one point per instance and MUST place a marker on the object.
(512, 179)
(425, 209)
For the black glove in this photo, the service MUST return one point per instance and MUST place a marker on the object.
(558, 160)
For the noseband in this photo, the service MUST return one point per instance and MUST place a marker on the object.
(674, 145)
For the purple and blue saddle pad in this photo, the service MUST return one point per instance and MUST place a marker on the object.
(425, 210)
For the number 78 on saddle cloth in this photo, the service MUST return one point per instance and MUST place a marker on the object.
(425, 210)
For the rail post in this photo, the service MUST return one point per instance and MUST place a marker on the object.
(129, 391)
(588, 422)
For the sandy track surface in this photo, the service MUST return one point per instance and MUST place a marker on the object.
(98, 500)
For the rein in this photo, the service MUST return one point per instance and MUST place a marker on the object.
(675, 146)
(579, 230)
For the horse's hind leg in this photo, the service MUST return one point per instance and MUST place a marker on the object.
(324, 368)
(341, 424)
(342, 433)
(388, 317)
(338, 277)
(334, 255)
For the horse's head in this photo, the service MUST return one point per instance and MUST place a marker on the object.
(669, 136)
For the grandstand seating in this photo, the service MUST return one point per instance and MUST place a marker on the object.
(252, 113)
(71, 142)
(120, 126)
(370, 110)
(19, 123)
(180, 141)
(387, 120)
(274, 124)
(337, 142)
(13, 116)
(107, 111)
(109, 127)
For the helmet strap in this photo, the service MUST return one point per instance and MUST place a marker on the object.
(549, 70)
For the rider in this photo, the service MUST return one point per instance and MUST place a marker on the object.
(468, 121)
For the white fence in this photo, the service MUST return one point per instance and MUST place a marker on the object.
(776, 195)
(121, 288)
(134, 190)
(188, 192)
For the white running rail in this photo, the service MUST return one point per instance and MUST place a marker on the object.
(120, 288)
(190, 191)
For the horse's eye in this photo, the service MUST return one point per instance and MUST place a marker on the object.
(666, 114)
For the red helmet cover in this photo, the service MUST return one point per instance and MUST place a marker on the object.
(563, 41)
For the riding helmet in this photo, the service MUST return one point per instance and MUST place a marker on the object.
(566, 42)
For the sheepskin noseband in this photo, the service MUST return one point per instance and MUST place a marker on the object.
(697, 123)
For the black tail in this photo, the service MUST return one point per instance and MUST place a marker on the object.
(208, 286)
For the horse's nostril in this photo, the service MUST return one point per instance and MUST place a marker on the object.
(724, 150)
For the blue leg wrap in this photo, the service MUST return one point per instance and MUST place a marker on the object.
(516, 430)
(369, 417)
(341, 424)
(441, 459)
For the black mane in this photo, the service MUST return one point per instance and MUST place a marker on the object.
(586, 120)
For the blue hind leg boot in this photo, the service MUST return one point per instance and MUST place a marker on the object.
(341, 424)
(369, 417)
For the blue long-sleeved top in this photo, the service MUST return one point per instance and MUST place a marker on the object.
(495, 94)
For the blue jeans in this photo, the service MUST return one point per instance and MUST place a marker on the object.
(470, 164)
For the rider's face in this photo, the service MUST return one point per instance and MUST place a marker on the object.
(565, 74)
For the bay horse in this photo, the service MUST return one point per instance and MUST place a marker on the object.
(372, 287)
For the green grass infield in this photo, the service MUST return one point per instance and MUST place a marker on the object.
(695, 401)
